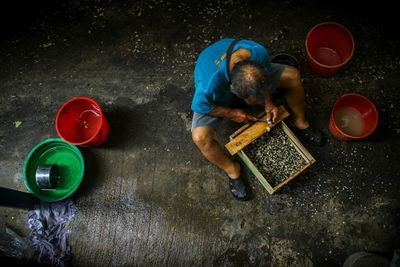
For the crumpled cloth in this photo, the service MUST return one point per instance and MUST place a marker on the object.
(48, 231)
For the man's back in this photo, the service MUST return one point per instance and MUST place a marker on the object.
(211, 77)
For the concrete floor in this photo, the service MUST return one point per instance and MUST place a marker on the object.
(148, 197)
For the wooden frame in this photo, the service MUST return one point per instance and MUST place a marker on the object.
(296, 143)
(248, 134)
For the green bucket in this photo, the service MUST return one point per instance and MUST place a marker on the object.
(70, 164)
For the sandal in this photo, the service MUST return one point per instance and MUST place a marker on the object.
(238, 188)
(311, 135)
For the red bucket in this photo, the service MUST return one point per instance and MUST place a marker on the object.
(80, 121)
(353, 117)
(329, 47)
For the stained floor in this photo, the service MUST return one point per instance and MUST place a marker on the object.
(148, 197)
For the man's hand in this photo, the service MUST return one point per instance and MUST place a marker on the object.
(238, 115)
(272, 112)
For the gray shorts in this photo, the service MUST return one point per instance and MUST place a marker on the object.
(200, 120)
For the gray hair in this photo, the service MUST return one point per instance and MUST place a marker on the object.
(249, 79)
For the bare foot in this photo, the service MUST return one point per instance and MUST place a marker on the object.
(301, 124)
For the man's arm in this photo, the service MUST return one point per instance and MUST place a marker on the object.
(235, 114)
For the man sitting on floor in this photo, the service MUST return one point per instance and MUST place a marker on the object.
(242, 68)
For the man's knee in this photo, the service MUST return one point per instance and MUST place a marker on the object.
(293, 82)
(293, 74)
(202, 136)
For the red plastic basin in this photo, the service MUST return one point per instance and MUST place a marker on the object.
(353, 117)
(329, 47)
(80, 121)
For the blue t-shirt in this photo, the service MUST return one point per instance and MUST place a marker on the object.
(211, 75)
